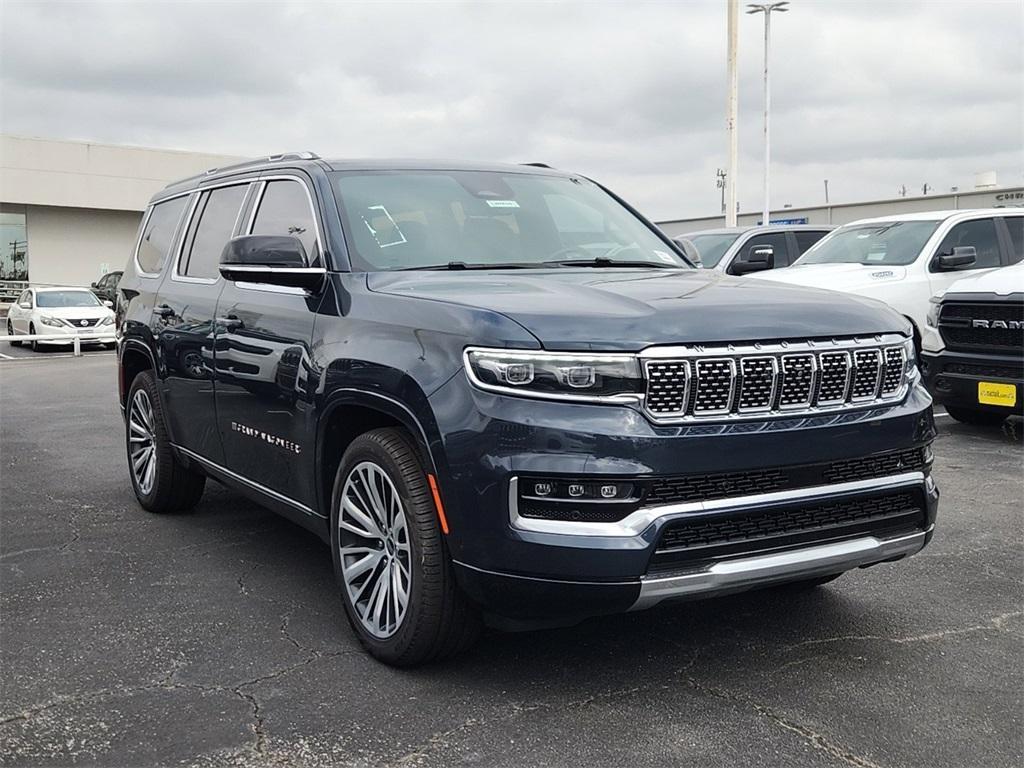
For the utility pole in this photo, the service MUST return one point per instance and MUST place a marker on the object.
(826, 191)
(766, 9)
(732, 173)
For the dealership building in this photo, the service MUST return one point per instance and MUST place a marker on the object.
(69, 210)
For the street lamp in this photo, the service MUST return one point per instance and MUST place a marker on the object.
(766, 9)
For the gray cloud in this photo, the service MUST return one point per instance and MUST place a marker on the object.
(870, 95)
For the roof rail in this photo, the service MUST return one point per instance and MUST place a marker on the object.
(538, 165)
(281, 157)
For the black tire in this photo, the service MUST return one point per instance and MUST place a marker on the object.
(34, 345)
(439, 621)
(175, 488)
(10, 333)
(978, 417)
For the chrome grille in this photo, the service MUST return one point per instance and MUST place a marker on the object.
(797, 381)
(892, 378)
(867, 365)
(757, 383)
(715, 381)
(834, 377)
(668, 386)
(694, 383)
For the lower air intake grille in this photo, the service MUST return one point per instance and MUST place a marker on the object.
(719, 535)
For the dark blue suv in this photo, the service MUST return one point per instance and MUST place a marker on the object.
(503, 396)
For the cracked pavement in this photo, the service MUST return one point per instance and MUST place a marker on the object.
(217, 638)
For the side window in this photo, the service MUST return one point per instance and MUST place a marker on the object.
(284, 210)
(156, 238)
(1016, 226)
(981, 233)
(805, 239)
(211, 228)
(25, 298)
(777, 240)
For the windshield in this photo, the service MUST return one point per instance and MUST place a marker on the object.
(713, 247)
(490, 220)
(893, 243)
(56, 299)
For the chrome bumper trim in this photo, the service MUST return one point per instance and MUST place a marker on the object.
(806, 563)
(636, 522)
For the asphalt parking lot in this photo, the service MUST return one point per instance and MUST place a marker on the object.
(217, 638)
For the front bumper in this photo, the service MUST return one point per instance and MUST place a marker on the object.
(66, 335)
(526, 569)
(953, 378)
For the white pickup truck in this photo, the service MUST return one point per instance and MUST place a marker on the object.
(904, 260)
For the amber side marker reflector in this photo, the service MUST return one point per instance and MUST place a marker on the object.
(438, 504)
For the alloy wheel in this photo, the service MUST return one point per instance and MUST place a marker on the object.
(376, 558)
(142, 442)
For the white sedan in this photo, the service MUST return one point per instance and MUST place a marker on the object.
(59, 314)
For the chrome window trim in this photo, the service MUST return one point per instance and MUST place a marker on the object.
(263, 181)
(639, 520)
(176, 275)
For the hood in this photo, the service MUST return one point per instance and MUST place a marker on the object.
(1000, 281)
(839, 277)
(630, 309)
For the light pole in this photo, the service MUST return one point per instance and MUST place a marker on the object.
(732, 174)
(766, 9)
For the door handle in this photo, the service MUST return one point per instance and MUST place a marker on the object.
(163, 311)
(230, 322)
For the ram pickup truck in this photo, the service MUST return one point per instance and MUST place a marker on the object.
(973, 360)
(904, 260)
(499, 394)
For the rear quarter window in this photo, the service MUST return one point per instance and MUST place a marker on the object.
(155, 242)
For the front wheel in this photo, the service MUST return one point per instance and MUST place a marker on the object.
(973, 416)
(34, 344)
(10, 334)
(390, 560)
(161, 482)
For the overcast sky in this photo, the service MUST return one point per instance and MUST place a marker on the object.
(869, 95)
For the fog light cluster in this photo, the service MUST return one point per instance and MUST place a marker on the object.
(576, 490)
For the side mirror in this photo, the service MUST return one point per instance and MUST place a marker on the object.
(270, 259)
(757, 259)
(93, 285)
(962, 256)
(108, 304)
(25, 305)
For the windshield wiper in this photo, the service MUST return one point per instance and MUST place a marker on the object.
(458, 265)
(604, 261)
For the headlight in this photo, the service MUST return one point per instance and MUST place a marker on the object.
(910, 355)
(51, 321)
(108, 320)
(935, 303)
(557, 375)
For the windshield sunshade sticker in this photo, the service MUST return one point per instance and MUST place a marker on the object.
(383, 228)
(502, 203)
